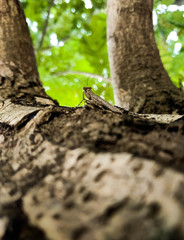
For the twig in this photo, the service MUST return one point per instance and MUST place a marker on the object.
(44, 30)
(86, 74)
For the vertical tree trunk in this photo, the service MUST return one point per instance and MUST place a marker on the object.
(18, 70)
(140, 81)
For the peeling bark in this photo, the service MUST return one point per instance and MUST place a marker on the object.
(140, 81)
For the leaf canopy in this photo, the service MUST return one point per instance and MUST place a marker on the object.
(73, 52)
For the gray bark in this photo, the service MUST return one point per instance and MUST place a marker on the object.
(85, 173)
(88, 173)
(140, 81)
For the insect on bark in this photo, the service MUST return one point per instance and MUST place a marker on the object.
(97, 100)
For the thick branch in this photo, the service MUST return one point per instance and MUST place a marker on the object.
(80, 173)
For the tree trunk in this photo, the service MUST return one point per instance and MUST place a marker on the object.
(140, 81)
(19, 77)
(83, 173)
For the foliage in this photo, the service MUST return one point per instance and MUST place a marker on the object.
(169, 34)
(75, 42)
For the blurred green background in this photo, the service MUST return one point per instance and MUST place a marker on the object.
(69, 38)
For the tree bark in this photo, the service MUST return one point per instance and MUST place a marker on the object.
(88, 173)
(140, 81)
(19, 77)
(85, 173)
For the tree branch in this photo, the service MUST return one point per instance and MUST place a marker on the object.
(44, 30)
(86, 74)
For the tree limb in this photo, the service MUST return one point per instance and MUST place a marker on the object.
(86, 74)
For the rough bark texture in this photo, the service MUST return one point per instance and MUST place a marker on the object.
(83, 173)
(140, 81)
(18, 71)
(88, 173)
